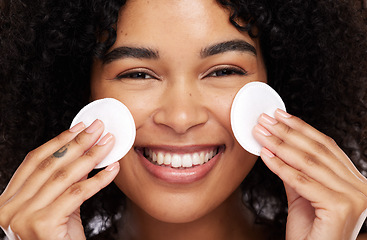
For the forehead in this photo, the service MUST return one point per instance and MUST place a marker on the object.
(178, 22)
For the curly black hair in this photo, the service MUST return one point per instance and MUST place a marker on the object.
(315, 53)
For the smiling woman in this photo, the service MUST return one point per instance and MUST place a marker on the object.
(177, 66)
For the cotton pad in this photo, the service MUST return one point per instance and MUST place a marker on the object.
(250, 102)
(117, 120)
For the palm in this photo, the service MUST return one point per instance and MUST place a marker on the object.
(305, 221)
(301, 216)
(73, 229)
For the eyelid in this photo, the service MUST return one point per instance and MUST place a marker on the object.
(223, 67)
(137, 70)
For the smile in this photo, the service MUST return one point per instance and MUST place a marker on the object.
(179, 165)
(180, 161)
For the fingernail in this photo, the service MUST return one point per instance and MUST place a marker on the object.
(267, 153)
(268, 119)
(94, 126)
(78, 127)
(262, 130)
(111, 167)
(283, 113)
(108, 137)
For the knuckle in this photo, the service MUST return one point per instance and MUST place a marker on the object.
(286, 129)
(60, 175)
(63, 137)
(310, 161)
(278, 142)
(299, 123)
(90, 153)
(92, 156)
(76, 190)
(330, 141)
(280, 166)
(30, 156)
(320, 148)
(302, 178)
(98, 178)
(79, 140)
(45, 164)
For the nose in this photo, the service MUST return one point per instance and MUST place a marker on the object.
(181, 109)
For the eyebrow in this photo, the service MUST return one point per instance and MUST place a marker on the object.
(130, 52)
(234, 45)
(148, 53)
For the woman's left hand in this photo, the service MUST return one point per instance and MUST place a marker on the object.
(327, 195)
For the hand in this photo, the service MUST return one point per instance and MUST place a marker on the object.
(43, 198)
(327, 196)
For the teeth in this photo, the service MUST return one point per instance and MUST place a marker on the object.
(176, 161)
(167, 159)
(202, 158)
(196, 159)
(159, 158)
(187, 160)
(179, 160)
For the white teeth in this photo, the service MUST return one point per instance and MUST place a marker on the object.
(212, 153)
(167, 159)
(159, 158)
(176, 161)
(179, 160)
(187, 160)
(196, 159)
(202, 158)
(207, 156)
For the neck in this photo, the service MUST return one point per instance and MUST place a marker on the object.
(231, 220)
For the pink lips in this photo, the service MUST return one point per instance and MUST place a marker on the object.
(176, 175)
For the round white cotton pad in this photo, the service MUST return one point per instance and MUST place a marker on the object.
(117, 120)
(250, 102)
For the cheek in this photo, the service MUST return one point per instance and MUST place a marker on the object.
(219, 105)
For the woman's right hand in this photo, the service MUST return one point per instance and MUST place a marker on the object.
(43, 198)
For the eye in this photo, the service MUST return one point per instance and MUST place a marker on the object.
(226, 71)
(136, 74)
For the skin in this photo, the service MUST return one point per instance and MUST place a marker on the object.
(188, 107)
(189, 95)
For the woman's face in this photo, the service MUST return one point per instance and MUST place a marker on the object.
(177, 66)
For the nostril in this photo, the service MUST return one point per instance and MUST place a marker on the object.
(181, 118)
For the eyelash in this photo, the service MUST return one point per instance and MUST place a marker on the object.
(227, 71)
(224, 72)
(136, 74)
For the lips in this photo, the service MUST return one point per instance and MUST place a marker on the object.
(179, 165)
(178, 160)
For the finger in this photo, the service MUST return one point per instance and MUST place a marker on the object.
(301, 160)
(313, 149)
(307, 130)
(300, 182)
(335, 212)
(64, 177)
(42, 223)
(79, 192)
(80, 144)
(33, 159)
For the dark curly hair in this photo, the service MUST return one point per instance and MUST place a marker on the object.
(315, 53)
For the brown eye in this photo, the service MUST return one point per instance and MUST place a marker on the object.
(135, 75)
(224, 72)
